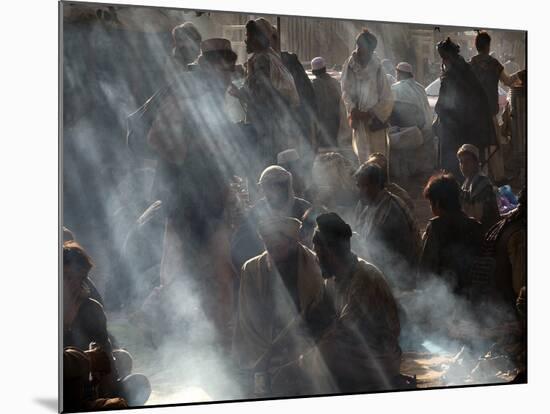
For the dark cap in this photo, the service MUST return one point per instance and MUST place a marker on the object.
(331, 226)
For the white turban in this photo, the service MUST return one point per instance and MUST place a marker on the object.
(275, 174)
(318, 63)
(404, 67)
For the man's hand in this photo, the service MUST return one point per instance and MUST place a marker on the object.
(99, 361)
(366, 116)
(353, 118)
(234, 91)
(357, 116)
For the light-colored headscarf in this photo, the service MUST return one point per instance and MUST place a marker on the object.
(277, 174)
(288, 227)
(266, 28)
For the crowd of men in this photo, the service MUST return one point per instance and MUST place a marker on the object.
(302, 276)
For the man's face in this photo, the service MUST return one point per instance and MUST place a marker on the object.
(251, 42)
(381, 162)
(436, 211)
(279, 246)
(367, 190)
(324, 257)
(276, 194)
(188, 50)
(364, 53)
(468, 163)
(72, 281)
(446, 61)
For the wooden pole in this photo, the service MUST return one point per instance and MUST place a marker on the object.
(278, 32)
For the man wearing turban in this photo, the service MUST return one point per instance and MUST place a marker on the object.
(278, 201)
(367, 96)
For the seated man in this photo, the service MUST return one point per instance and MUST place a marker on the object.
(387, 228)
(89, 284)
(81, 370)
(452, 239)
(478, 198)
(505, 246)
(380, 159)
(360, 350)
(277, 290)
(276, 185)
(85, 323)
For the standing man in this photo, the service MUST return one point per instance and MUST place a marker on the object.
(186, 48)
(478, 198)
(489, 72)
(189, 126)
(304, 114)
(464, 116)
(328, 95)
(269, 93)
(360, 350)
(186, 41)
(367, 96)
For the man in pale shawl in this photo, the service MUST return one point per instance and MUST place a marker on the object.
(278, 201)
(367, 96)
(408, 91)
(269, 92)
(360, 350)
(278, 289)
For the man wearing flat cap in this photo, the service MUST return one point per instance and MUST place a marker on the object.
(360, 351)
(478, 197)
(277, 290)
(367, 95)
